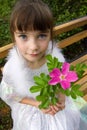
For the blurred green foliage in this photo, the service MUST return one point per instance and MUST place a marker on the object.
(5, 11)
(65, 10)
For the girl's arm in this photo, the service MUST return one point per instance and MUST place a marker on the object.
(33, 102)
(53, 109)
(10, 97)
(30, 101)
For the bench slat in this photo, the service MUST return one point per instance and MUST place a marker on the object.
(85, 97)
(83, 83)
(4, 50)
(72, 39)
(82, 60)
(83, 80)
(70, 25)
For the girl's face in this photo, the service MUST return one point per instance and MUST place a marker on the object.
(32, 45)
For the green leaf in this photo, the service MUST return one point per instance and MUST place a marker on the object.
(44, 91)
(67, 92)
(79, 93)
(50, 88)
(83, 66)
(49, 57)
(73, 95)
(59, 65)
(50, 69)
(75, 87)
(44, 104)
(80, 73)
(34, 89)
(55, 62)
(45, 78)
(42, 75)
(61, 90)
(50, 66)
(40, 98)
(72, 67)
(52, 94)
(54, 100)
(38, 80)
(80, 68)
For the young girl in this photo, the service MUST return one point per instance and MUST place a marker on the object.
(31, 28)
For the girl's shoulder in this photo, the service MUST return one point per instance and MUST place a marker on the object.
(55, 51)
(58, 53)
(13, 62)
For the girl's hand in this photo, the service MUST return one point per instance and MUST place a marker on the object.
(53, 109)
(58, 107)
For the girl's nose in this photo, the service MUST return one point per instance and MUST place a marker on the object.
(32, 44)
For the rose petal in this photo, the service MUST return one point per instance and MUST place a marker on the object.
(54, 81)
(55, 72)
(65, 84)
(71, 76)
(65, 67)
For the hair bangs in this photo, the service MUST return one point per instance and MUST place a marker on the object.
(31, 16)
(32, 19)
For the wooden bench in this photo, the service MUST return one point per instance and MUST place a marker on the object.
(81, 22)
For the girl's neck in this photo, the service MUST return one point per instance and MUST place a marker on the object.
(38, 64)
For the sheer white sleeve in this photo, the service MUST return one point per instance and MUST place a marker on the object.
(8, 94)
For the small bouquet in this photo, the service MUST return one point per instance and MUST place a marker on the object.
(62, 78)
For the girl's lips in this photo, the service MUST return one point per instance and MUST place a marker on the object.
(34, 54)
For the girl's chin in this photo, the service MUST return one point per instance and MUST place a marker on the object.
(33, 59)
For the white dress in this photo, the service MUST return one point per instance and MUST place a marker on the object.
(17, 79)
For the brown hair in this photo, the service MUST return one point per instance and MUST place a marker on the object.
(31, 15)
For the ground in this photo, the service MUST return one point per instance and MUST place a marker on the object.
(5, 117)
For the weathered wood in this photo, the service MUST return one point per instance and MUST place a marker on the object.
(83, 83)
(85, 97)
(72, 39)
(83, 80)
(4, 50)
(70, 25)
(82, 60)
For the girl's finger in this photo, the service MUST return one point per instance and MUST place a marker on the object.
(55, 108)
(60, 105)
(46, 110)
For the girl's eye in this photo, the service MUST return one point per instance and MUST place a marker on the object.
(23, 36)
(42, 36)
